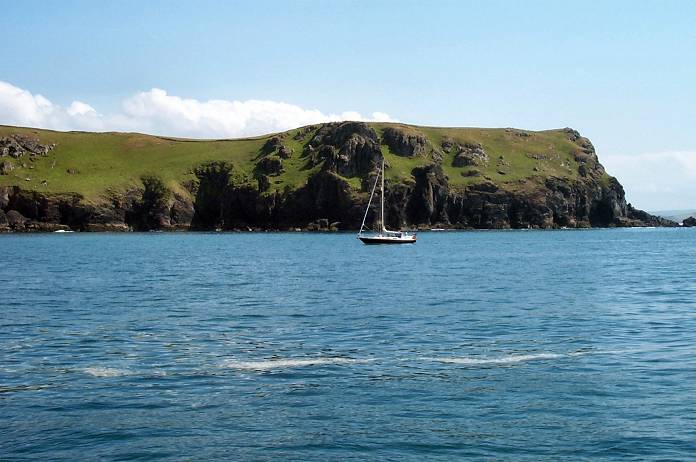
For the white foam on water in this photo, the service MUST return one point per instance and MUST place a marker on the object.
(498, 360)
(512, 359)
(105, 371)
(281, 363)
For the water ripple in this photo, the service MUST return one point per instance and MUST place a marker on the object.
(573, 345)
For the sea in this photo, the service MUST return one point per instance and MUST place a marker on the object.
(492, 345)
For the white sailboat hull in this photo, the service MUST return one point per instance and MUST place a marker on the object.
(386, 239)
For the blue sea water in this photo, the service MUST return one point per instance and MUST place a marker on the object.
(514, 345)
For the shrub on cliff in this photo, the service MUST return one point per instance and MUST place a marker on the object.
(150, 211)
(156, 193)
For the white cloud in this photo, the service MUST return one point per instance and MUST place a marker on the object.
(78, 108)
(656, 181)
(20, 105)
(157, 112)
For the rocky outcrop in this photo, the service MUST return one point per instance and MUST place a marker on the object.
(469, 154)
(347, 148)
(6, 167)
(275, 146)
(44, 212)
(272, 145)
(409, 142)
(635, 217)
(405, 142)
(689, 222)
(270, 161)
(18, 145)
(16, 220)
(523, 133)
(270, 165)
(447, 144)
(151, 208)
(303, 132)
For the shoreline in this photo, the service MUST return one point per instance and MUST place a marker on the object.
(307, 231)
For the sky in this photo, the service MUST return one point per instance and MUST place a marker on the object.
(623, 73)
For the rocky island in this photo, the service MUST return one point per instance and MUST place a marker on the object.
(311, 178)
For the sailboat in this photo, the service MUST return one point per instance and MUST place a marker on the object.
(383, 235)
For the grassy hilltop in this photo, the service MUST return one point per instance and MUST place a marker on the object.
(316, 177)
(92, 164)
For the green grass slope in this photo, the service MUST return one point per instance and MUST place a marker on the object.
(517, 148)
(93, 164)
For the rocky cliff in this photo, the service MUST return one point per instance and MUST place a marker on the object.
(316, 177)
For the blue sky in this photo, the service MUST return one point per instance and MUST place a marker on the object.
(622, 73)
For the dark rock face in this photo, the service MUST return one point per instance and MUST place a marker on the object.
(405, 143)
(210, 194)
(587, 158)
(16, 220)
(425, 201)
(270, 165)
(272, 154)
(222, 205)
(635, 217)
(5, 192)
(181, 212)
(347, 148)
(152, 207)
(689, 222)
(4, 223)
(263, 182)
(326, 195)
(429, 201)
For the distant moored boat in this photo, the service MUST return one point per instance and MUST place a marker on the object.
(382, 235)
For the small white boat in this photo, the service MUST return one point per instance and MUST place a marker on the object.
(63, 231)
(382, 235)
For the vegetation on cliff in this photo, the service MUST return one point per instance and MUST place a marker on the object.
(315, 177)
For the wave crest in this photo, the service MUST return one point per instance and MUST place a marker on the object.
(105, 371)
(511, 359)
(281, 363)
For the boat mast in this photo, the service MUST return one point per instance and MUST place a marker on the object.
(367, 209)
(384, 228)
